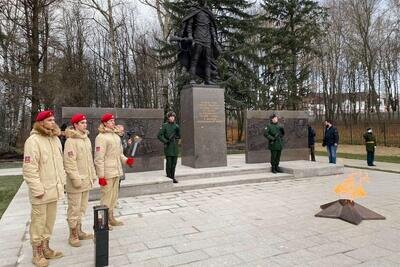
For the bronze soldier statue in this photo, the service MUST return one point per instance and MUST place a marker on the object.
(198, 44)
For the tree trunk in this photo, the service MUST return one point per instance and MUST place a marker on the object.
(32, 18)
(114, 58)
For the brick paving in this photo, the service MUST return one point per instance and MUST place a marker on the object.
(264, 224)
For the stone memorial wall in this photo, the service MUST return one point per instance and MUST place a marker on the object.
(145, 123)
(295, 139)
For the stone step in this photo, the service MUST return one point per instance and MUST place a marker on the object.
(155, 182)
(136, 186)
(158, 185)
(230, 180)
(215, 172)
(304, 168)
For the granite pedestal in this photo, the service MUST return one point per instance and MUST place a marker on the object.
(203, 126)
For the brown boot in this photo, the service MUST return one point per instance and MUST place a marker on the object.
(81, 234)
(48, 252)
(113, 221)
(73, 239)
(38, 258)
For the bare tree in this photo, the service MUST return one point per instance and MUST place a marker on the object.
(107, 12)
(165, 25)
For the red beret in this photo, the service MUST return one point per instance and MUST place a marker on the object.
(106, 117)
(44, 115)
(77, 118)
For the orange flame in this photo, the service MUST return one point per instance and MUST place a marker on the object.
(350, 189)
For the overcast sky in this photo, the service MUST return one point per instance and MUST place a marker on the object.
(146, 16)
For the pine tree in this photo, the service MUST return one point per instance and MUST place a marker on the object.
(288, 32)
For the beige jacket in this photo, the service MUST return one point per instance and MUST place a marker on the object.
(108, 153)
(78, 161)
(43, 168)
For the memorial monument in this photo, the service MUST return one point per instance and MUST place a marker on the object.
(202, 105)
(198, 44)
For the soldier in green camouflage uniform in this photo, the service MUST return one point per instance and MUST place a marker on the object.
(274, 133)
(169, 135)
(370, 145)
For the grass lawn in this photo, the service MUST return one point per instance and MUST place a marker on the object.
(11, 164)
(379, 158)
(9, 185)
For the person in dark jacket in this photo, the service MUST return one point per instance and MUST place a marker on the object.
(370, 145)
(274, 133)
(311, 142)
(62, 135)
(331, 140)
(169, 135)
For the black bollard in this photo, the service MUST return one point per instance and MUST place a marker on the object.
(100, 227)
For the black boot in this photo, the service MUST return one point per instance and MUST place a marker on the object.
(273, 169)
(207, 78)
(192, 74)
(279, 170)
(173, 176)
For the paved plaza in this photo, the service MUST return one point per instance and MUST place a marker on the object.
(264, 224)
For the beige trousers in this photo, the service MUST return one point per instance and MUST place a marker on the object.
(109, 193)
(77, 205)
(43, 217)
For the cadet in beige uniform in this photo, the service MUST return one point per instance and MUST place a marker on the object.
(107, 159)
(78, 164)
(43, 171)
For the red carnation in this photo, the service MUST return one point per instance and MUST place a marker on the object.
(130, 161)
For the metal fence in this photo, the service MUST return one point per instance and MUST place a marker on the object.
(387, 133)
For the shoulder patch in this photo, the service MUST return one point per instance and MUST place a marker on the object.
(27, 159)
(97, 149)
(70, 154)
